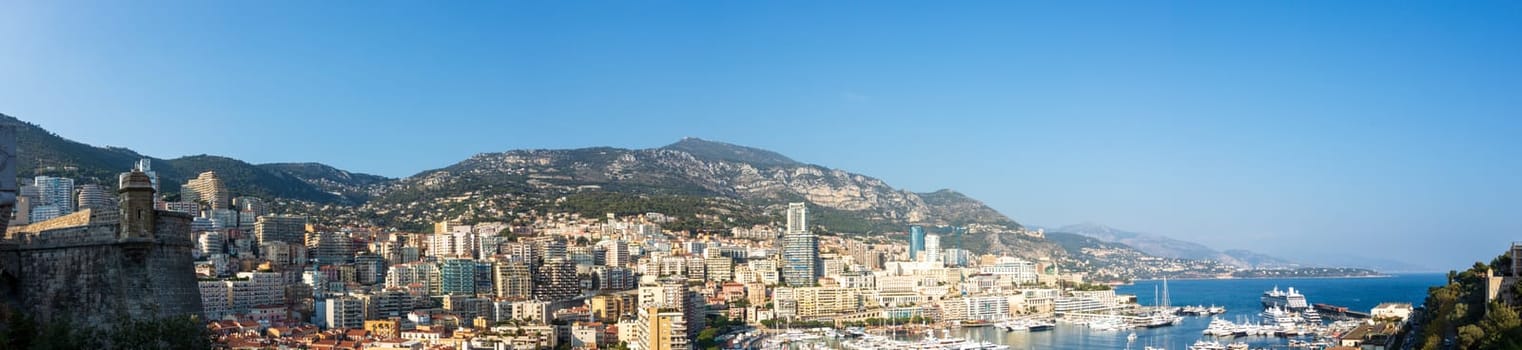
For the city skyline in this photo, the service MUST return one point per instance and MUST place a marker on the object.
(1293, 132)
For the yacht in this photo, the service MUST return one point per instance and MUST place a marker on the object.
(1108, 324)
(1207, 345)
(1161, 320)
(1280, 317)
(1220, 328)
(1311, 316)
(874, 342)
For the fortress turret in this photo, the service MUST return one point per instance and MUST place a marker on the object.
(137, 211)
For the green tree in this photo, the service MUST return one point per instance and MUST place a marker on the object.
(1470, 336)
(1502, 328)
(706, 338)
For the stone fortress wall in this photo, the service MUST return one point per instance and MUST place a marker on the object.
(83, 268)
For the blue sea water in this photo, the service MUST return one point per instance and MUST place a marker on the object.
(1239, 296)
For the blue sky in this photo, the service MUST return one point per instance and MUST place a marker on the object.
(1299, 128)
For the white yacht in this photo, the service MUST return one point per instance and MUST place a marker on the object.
(1207, 345)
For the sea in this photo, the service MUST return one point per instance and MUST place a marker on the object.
(1240, 297)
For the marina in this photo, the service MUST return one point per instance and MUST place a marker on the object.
(1227, 315)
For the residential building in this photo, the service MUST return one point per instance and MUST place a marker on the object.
(284, 228)
(513, 280)
(207, 188)
(96, 197)
(343, 312)
(329, 247)
(457, 276)
(556, 280)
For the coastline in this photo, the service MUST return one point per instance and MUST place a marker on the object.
(1267, 278)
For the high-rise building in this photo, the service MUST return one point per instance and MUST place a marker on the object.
(404, 275)
(614, 278)
(57, 192)
(800, 249)
(548, 247)
(386, 303)
(329, 247)
(370, 268)
(452, 244)
(285, 228)
(40, 213)
(660, 329)
(513, 279)
(95, 197)
(797, 217)
(719, 269)
(225, 218)
(211, 242)
(253, 206)
(916, 241)
(207, 188)
(671, 294)
(618, 253)
(145, 166)
(344, 312)
(933, 249)
(457, 276)
(484, 279)
(556, 280)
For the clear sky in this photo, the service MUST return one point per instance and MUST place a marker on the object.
(1299, 128)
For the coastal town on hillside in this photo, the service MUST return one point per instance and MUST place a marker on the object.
(539, 280)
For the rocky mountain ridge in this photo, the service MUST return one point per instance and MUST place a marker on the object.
(677, 170)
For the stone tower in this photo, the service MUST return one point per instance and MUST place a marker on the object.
(137, 212)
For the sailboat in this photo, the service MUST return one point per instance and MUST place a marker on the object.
(1163, 316)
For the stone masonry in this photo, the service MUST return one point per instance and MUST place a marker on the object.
(89, 267)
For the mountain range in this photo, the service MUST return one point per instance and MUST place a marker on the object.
(41, 152)
(712, 184)
(707, 185)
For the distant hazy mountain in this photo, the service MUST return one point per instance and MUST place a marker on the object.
(1259, 259)
(1160, 245)
(1383, 265)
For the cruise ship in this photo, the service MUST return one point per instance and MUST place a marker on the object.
(1286, 299)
